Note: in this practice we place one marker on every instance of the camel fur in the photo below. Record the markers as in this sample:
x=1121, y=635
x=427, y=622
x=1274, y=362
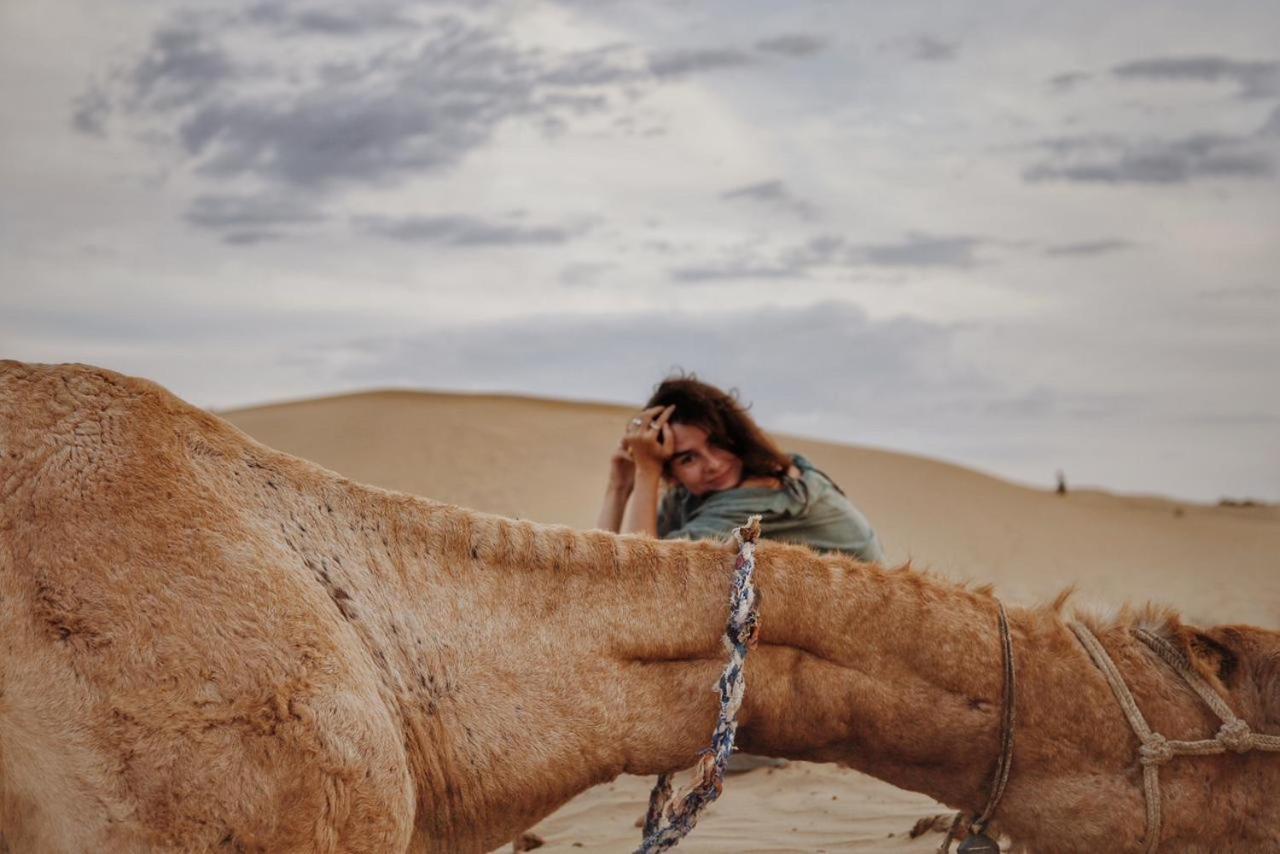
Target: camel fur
x=207, y=645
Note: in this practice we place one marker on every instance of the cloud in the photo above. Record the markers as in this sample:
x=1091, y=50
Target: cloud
x=395, y=113
x=463, y=231
x=1254, y=79
x=1272, y=126
x=607, y=65
x=901, y=364
x=253, y=236
x=750, y=261
x=914, y=250
x=414, y=97
x=1068, y=80
x=1036, y=403
x=335, y=21
x=189, y=319
x=249, y=219
x=828, y=252
x=181, y=66
x=674, y=63
x=89, y=112
x=585, y=274
x=765, y=191
x=930, y=49
x=680, y=62
x=794, y=44
x=1089, y=247
x=735, y=270
x=923, y=250
x=415, y=102
x=1258, y=292
x=238, y=211
x=319, y=140
x=1108, y=159
x=773, y=194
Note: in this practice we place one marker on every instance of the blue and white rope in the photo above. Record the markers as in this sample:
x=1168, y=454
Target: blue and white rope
x=739, y=639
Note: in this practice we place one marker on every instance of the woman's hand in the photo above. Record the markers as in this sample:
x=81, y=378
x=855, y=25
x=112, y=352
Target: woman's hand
x=649, y=440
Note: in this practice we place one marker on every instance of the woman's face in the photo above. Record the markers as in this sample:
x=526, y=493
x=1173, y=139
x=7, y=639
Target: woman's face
x=699, y=466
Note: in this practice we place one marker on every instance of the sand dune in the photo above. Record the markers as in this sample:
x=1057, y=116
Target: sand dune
x=545, y=460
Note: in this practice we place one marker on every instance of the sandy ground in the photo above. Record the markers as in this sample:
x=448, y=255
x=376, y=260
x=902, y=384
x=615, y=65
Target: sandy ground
x=546, y=460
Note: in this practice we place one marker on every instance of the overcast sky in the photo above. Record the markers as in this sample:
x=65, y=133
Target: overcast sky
x=1016, y=236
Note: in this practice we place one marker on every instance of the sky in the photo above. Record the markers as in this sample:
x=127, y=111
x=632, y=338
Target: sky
x=1021, y=237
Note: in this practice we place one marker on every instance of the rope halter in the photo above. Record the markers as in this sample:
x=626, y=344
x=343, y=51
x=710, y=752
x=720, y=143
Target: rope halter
x=681, y=814
x=978, y=841
x=1154, y=749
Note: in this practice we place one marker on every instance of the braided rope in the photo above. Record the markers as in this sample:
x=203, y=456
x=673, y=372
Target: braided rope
x=1154, y=749
x=708, y=775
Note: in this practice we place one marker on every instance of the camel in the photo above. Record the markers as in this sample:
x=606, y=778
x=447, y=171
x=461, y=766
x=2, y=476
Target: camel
x=208, y=645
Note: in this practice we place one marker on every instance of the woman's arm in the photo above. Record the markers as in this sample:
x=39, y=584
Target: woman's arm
x=642, y=509
x=650, y=443
x=622, y=476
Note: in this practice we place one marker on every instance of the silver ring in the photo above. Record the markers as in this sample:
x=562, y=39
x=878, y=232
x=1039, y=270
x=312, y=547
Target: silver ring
x=637, y=421
x=654, y=425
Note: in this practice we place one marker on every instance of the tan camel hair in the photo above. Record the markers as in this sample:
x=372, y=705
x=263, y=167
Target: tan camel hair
x=207, y=645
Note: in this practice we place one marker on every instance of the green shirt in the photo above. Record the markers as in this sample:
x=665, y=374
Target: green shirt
x=809, y=509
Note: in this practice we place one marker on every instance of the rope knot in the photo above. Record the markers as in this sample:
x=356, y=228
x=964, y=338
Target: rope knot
x=749, y=532
x=1155, y=750
x=1235, y=736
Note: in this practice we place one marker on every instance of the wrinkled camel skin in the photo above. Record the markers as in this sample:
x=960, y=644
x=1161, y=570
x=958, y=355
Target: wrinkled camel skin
x=209, y=645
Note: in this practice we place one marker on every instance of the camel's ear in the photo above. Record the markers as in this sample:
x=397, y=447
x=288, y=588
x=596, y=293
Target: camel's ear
x=1246, y=659
x=1220, y=650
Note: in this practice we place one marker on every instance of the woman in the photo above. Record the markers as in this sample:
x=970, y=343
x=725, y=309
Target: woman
x=719, y=468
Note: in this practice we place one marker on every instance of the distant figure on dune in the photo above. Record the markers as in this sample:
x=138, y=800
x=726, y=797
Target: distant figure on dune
x=1062, y=483
x=719, y=467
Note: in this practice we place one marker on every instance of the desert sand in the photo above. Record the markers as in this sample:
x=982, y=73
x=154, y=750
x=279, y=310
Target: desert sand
x=546, y=460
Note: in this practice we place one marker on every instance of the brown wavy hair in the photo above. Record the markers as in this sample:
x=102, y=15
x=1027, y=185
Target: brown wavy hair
x=726, y=421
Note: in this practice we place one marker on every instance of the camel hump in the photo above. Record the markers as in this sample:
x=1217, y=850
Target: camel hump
x=43, y=406
x=65, y=387
x=65, y=428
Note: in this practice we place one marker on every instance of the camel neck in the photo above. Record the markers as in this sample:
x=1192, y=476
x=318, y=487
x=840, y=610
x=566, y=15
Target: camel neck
x=894, y=673
x=608, y=647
